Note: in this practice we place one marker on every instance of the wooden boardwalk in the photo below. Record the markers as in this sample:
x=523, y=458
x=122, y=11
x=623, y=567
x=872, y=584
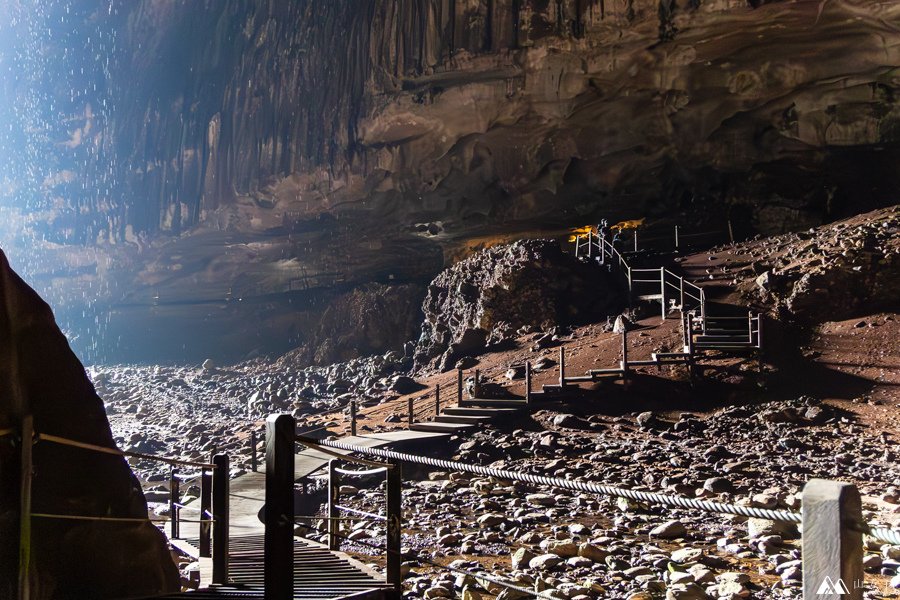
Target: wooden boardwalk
x=318, y=572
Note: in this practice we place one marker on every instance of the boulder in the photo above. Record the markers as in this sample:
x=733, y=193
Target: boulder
x=41, y=376
x=500, y=290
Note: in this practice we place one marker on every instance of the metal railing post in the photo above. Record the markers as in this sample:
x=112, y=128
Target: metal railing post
x=459, y=387
x=25, y=475
x=393, y=512
x=220, y=500
x=832, y=543
x=334, y=498
x=730, y=233
x=528, y=382
x=681, y=292
x=562, y=366
x=278, y=546
x=437, y=400
x=174, y=529
x=205, y=513
x=676, y=237
x=662, y=291
x=253, y=464
x=353, y=417
x=635, y=240
x=411, y=418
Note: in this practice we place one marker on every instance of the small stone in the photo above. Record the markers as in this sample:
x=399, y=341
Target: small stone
x=669, y=530
x=544, y=562
x=521, y=558
x=592, y=552
x=718, y=485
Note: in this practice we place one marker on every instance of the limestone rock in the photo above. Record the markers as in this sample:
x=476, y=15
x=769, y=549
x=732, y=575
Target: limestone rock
x=47, y=381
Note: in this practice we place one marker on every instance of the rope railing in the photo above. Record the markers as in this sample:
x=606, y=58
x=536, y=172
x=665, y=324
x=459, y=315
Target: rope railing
x=572, y=485
x=362, y=513
x=116, y=452
x=101, y=519
x=361, y=461
x=351, y=473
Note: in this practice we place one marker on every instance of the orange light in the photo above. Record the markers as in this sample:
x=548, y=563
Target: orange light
x=580, y=232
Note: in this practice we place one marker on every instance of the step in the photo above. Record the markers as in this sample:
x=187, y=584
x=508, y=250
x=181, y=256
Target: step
x=650, y=297
x=728, y=347
x=443, y=427
x=472, y=411
x=643, y=363
x=671, y=359
x=494, y=403
x=474, y=420
x=671, y=355
x=605, y=372
x=579, y=379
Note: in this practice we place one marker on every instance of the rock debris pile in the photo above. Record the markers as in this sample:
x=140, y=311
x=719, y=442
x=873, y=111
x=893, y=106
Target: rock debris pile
x=833, y=272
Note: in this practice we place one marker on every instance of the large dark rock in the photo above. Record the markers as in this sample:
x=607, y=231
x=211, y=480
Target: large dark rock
x=492, y=294
x=40, y=375
x=368, y=320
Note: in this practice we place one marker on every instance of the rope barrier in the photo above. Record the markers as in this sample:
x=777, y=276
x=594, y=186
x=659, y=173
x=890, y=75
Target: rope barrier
x=577, y=486
x=109, y=519
x=313, y=442
x=883, y=534
x=360, y=512
x=324, y=518
x=349, y=473
x=116, y=452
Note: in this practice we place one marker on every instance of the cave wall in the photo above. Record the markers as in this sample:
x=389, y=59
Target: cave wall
x=243, y=149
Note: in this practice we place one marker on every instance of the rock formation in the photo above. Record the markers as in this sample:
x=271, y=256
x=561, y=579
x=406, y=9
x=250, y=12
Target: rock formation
x=267, y=146
x=840, y=271
x=39, y=375
x=488, y=297
x=368, y=320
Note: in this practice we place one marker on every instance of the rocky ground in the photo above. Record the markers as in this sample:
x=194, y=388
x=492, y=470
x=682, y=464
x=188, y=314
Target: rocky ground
x=580, y=545
x=822, y=404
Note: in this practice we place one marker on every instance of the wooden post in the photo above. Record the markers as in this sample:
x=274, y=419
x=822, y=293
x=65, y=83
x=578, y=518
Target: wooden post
x=25, y=475
x=437, y=400
x=173, y=503
x=562, y=366
x=459, y=387
x=253, y=465
x=205, y=513
x=393, y=511
x=334, y=498
x=278, y=548
x=353, y=417
x=527, y=382
x=832, y=545
x=662, y=291
x=220, y=500
x=411, y=418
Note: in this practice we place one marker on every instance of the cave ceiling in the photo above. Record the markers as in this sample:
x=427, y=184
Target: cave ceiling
x=163, y=153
